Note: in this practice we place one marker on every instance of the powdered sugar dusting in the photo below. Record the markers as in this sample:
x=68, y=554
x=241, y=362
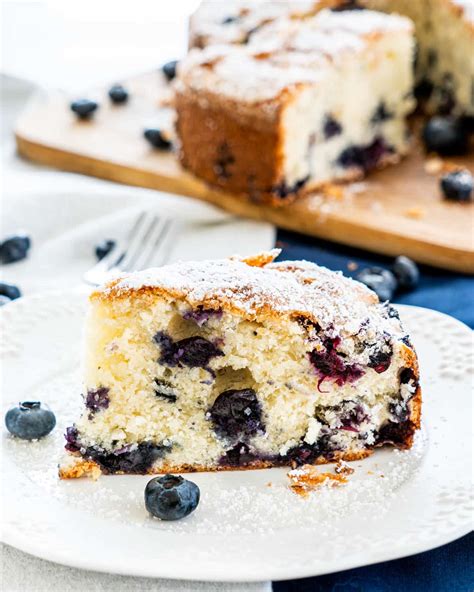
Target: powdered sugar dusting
x=288, y=288
x=284, y=51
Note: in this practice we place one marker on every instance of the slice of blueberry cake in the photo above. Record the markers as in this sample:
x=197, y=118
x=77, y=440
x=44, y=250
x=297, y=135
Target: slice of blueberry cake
x=232, y=364
x=305, y=102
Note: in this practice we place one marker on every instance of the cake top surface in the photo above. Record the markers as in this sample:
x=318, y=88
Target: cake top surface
x=257, y=287
x=233, y=20
x=285, y=52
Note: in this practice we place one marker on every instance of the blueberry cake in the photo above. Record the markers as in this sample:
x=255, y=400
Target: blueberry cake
x=305, y=102
x=444, y=30
x=233, y=364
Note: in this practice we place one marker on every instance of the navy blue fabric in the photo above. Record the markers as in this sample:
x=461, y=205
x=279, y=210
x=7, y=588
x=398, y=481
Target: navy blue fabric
x=449, y=568
x=448, y=292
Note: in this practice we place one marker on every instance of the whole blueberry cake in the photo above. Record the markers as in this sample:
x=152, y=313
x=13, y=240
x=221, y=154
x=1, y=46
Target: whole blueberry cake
x=233, y=364
x=305, y=102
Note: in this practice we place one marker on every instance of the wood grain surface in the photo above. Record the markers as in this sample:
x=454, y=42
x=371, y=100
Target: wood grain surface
x=395, y=211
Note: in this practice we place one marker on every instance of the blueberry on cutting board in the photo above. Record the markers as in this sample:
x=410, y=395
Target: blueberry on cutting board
x=171, y=497
x=157, y=138
x=458, y=186
x=84, y=108
x=118, y=94
x=30, y=420
x=446, y=136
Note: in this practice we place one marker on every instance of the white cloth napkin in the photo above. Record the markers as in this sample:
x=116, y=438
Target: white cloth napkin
x=66, y=215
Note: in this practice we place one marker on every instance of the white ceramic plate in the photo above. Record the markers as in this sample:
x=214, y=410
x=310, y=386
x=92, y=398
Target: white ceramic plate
x=248, y=526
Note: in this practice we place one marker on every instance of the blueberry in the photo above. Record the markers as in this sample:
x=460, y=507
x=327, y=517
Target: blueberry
x=97, y=399
x=194, y=352
x=4, y=300
x=169, y=69
x=128, y=459
x=171, y=497
x=230, y=19
x=457, y=186
x=104, y=248
x=164, y=390
x=381, y=114
x=30, y=420
x=331, y=127
x=157, y=138
x=381, y=281
x=365, y=157
x=445, y=135
x=406, y=271
x=84, y=108
x=14, y=248
x=10, y=291
x=118, y=94
x=236, y=413
x=330, y=364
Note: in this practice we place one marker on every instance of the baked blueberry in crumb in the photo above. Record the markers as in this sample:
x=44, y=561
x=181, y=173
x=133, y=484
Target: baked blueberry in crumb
x=201, y=315
x=239, y=455
x=331, y=127
x=329, y=364
x=446, y=136
x=131, y=458
x=223, y=162
x=10, y=291
x=365, y=157
x=30, y=420
x=406, y=271
x=458, y=186
x=382, y=281
x=169, y=69
x=84, y=108
x=194, y=352
x=381, y=114
x=381, y=360
x=72, y=439
x=352, y=417
x=97, y=399
x=157, y=138
x=282, y=190
x=104, y=248
x=118, y=94
x=171, y=497
x=236, y=414
x=230, y=19
x=14, y=248
x=164, y=390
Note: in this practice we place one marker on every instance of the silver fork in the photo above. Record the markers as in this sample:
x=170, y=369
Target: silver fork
x=149, y=236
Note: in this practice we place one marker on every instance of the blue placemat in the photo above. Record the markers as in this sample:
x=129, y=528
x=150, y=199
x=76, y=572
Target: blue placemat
x=449, y=568
x=448, y=292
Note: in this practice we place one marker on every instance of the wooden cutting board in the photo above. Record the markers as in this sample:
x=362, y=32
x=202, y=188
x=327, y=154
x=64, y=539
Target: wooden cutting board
x=395, y=211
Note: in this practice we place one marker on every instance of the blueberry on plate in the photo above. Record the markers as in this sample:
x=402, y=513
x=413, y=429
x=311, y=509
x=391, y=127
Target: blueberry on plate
x=84, y=108
x=118, y=94
x=445, y=135
x=14, y=248
x=157, y=138
x=171, y=497
x=406, y=271
x=169, y=69
x=382, y=281
x=104, y=248
x=30, y=420
x=10, y=291
x=457, y=186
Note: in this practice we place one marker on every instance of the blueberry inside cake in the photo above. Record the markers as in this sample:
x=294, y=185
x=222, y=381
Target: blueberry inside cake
x=232, y=364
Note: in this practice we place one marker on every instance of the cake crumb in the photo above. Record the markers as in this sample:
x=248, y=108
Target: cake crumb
x=416, y=213
x=342, y=468
x=269, y=484
x=307, y=478
x=352, y=266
